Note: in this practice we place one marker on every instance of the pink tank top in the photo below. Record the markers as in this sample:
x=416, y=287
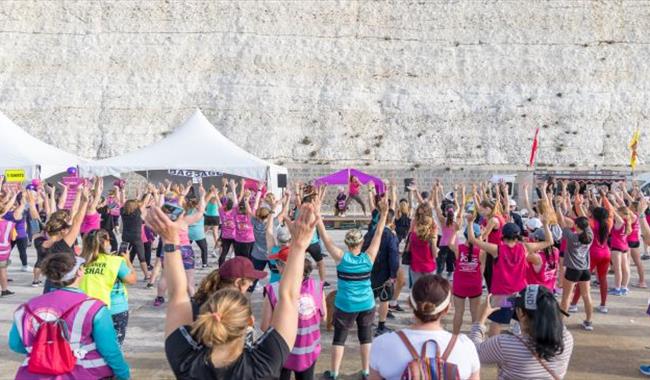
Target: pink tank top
x=468, y=281
x=243, y=229
x=618, y=239
x=90, y=223
x=547, y=275
x=598, y=249
x=509, y=270
x=227, y=223
x=447, y=233
x=354, y=188
x=496, y=235
x=421, y=259
x=633, y=237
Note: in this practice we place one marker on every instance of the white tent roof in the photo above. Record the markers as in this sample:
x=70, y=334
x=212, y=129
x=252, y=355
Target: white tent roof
x=20, y=150
x=195, y=145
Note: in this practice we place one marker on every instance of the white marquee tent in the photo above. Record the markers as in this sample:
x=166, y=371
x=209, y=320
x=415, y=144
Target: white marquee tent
x=195, y=145
x=20, y=150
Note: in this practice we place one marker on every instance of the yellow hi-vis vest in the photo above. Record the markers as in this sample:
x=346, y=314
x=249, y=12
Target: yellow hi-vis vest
x=100, y=276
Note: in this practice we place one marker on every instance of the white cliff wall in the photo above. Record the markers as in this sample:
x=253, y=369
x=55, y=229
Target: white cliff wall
x=410, y=84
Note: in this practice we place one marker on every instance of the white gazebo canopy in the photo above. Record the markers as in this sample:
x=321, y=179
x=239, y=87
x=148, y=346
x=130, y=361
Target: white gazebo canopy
x=20, y=150
x=195, y=145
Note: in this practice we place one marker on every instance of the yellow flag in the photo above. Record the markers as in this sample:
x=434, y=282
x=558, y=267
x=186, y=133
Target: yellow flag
x=634, y=144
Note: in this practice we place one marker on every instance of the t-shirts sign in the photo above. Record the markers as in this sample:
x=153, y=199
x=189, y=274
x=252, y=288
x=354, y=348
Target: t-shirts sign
x=13, y=180
x=73, y=183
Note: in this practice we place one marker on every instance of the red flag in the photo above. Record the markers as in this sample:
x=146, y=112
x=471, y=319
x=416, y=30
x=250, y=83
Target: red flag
x=533, y=149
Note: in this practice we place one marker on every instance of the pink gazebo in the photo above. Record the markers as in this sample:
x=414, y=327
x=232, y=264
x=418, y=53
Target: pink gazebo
x=342, y=177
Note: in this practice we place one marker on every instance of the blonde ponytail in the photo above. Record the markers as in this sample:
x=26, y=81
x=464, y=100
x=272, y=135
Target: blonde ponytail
x=224, y=318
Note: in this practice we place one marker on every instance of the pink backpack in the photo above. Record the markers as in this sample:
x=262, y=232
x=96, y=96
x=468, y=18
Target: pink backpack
x=423, y=367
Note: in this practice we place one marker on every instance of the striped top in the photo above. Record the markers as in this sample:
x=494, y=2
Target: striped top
x=515, y=361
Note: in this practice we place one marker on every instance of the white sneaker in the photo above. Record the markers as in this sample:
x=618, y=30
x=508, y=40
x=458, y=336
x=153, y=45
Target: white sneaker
x=573, y=308
x=602, y=309
x=214, y=254
x=26, y=268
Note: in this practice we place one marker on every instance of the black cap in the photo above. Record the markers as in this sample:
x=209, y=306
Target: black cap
x=511, y=231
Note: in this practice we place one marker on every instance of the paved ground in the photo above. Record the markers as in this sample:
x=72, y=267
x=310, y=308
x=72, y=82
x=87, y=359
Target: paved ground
x=614, y=350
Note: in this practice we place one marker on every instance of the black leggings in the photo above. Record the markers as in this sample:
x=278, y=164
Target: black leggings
x=22, y=249
x=244, y=249
x=225, y=249
x=114, y=246
x=203, y=246
x=307, y=374
x=147, y=252
x=137, y=248
x=446, y=257
x=358, y=200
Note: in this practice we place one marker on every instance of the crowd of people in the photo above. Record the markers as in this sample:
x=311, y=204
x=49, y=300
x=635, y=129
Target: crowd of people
x=523, y=271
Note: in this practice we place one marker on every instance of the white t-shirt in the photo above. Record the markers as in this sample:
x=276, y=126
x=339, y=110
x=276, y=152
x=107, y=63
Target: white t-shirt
x=389, y=356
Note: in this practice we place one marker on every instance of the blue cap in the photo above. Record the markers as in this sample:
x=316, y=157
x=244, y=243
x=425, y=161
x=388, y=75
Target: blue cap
x=477, y=229
x=511, y=231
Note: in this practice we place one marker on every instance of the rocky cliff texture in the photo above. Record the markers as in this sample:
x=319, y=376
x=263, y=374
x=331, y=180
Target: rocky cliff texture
x=384, y=83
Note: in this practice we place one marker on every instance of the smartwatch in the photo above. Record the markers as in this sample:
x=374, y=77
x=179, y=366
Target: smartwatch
x=171, y=248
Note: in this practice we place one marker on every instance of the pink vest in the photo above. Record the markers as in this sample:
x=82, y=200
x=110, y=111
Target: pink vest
x=90, y=364
x=310, y=310
x=6, y=227
x=243, y=229
x=547, y=275
x=421, y=259
x=618, y=239
x=468, y=281
x=227, y=223
x=633, y=237
x=496, y=235
x=509, y=270
x=598, y=250
x=90, y=223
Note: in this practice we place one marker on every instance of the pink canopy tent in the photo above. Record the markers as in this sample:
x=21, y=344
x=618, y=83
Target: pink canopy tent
x=342, y=177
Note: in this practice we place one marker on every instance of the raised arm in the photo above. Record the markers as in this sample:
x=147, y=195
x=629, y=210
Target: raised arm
x=63, y=197
x=179, y=309
x=489, y=248
x=78, y=217
x=285, y=315
x=194, y=218
x=242, y=189
x=334, y=251
x=373, y=249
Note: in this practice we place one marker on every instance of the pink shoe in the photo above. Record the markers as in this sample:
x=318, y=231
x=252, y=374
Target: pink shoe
x=158, y=301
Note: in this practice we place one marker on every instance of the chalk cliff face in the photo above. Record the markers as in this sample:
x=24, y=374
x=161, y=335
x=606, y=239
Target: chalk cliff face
x=385, y=83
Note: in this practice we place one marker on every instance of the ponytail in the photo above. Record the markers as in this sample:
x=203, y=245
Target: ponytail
x=210, y=285
x=449, y=214
x=546, y=326
x=93, y=242
x=222, y=319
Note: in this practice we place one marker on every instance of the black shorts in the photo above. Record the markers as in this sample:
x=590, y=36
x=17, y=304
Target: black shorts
x=634, y=244
x=576, y=275
x=344, y=321
x=315, y=252
x=211, y=221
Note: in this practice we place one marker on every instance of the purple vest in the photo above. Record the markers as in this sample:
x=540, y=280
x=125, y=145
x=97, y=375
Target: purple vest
x=6, y=227
x=306, y=350
x=90, y=364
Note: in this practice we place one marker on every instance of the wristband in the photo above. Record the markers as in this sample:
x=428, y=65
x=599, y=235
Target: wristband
x=168, y=248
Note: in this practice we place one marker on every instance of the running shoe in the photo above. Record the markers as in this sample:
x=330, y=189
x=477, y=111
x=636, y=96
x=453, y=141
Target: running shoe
x=7, y=293
x=390, y=315
x=383, y=331
x=35, y=284
x=625, y=291
x=595, y=283
x=326, y=284
x=214, y=254
x=602, y=309
x=329, y=375
x=204, y=266
x=149, y=285
x=396, y=307
x=645, y=369
x=26, y=268
x=587, y=325
x=158, y=301
x=149, y=268
x=615, y=292
x=364, y=376
x=645, y=257
x=573, y=308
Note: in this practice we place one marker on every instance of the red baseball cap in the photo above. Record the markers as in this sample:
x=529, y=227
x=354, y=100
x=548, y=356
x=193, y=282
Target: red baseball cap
x=240, y=267
x=282, y=255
